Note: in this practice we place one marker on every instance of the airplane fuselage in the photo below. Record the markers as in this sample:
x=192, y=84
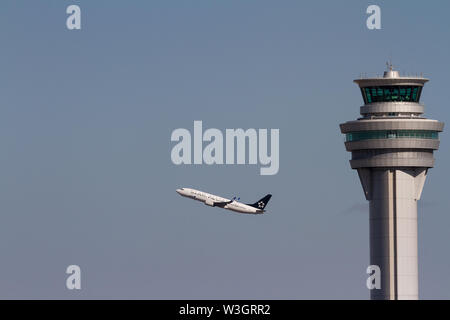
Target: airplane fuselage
x=216, y=201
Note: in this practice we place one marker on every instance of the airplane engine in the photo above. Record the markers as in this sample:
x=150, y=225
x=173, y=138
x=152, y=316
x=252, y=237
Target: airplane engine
x=209, y=202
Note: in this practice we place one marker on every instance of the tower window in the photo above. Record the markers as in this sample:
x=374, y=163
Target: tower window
x=391, y=134
x=391, y=93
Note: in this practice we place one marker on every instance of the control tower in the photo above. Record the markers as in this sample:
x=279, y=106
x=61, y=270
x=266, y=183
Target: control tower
x=392, y=147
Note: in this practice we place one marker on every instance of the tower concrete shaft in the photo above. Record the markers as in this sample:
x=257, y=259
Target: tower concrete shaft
x=392, y=149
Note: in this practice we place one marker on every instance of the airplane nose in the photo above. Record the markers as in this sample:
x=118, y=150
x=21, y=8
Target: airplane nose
x=179, y=191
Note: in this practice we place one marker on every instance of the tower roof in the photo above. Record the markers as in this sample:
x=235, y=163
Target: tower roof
x=390, y=77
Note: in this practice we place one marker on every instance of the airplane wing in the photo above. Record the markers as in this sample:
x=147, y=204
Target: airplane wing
x=222, y=204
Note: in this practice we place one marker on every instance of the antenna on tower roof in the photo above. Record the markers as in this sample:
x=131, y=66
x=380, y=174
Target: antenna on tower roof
x=389, y=65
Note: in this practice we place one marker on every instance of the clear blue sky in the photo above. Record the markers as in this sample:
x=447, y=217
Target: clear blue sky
x=85, y=123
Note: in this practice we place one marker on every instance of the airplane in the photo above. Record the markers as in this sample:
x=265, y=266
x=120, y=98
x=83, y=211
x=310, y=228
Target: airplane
x=233, y=204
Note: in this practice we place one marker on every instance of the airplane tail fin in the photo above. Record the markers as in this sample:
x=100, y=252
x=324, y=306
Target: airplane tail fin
x=261, y=204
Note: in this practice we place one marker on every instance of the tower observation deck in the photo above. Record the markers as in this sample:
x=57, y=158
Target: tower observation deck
x=392, y=147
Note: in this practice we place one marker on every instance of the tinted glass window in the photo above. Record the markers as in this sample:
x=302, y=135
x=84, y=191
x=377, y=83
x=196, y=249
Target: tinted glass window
x=391, y=134
x=391, y=93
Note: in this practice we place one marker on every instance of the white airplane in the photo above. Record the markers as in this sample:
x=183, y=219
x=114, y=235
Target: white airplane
x=233, y=204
